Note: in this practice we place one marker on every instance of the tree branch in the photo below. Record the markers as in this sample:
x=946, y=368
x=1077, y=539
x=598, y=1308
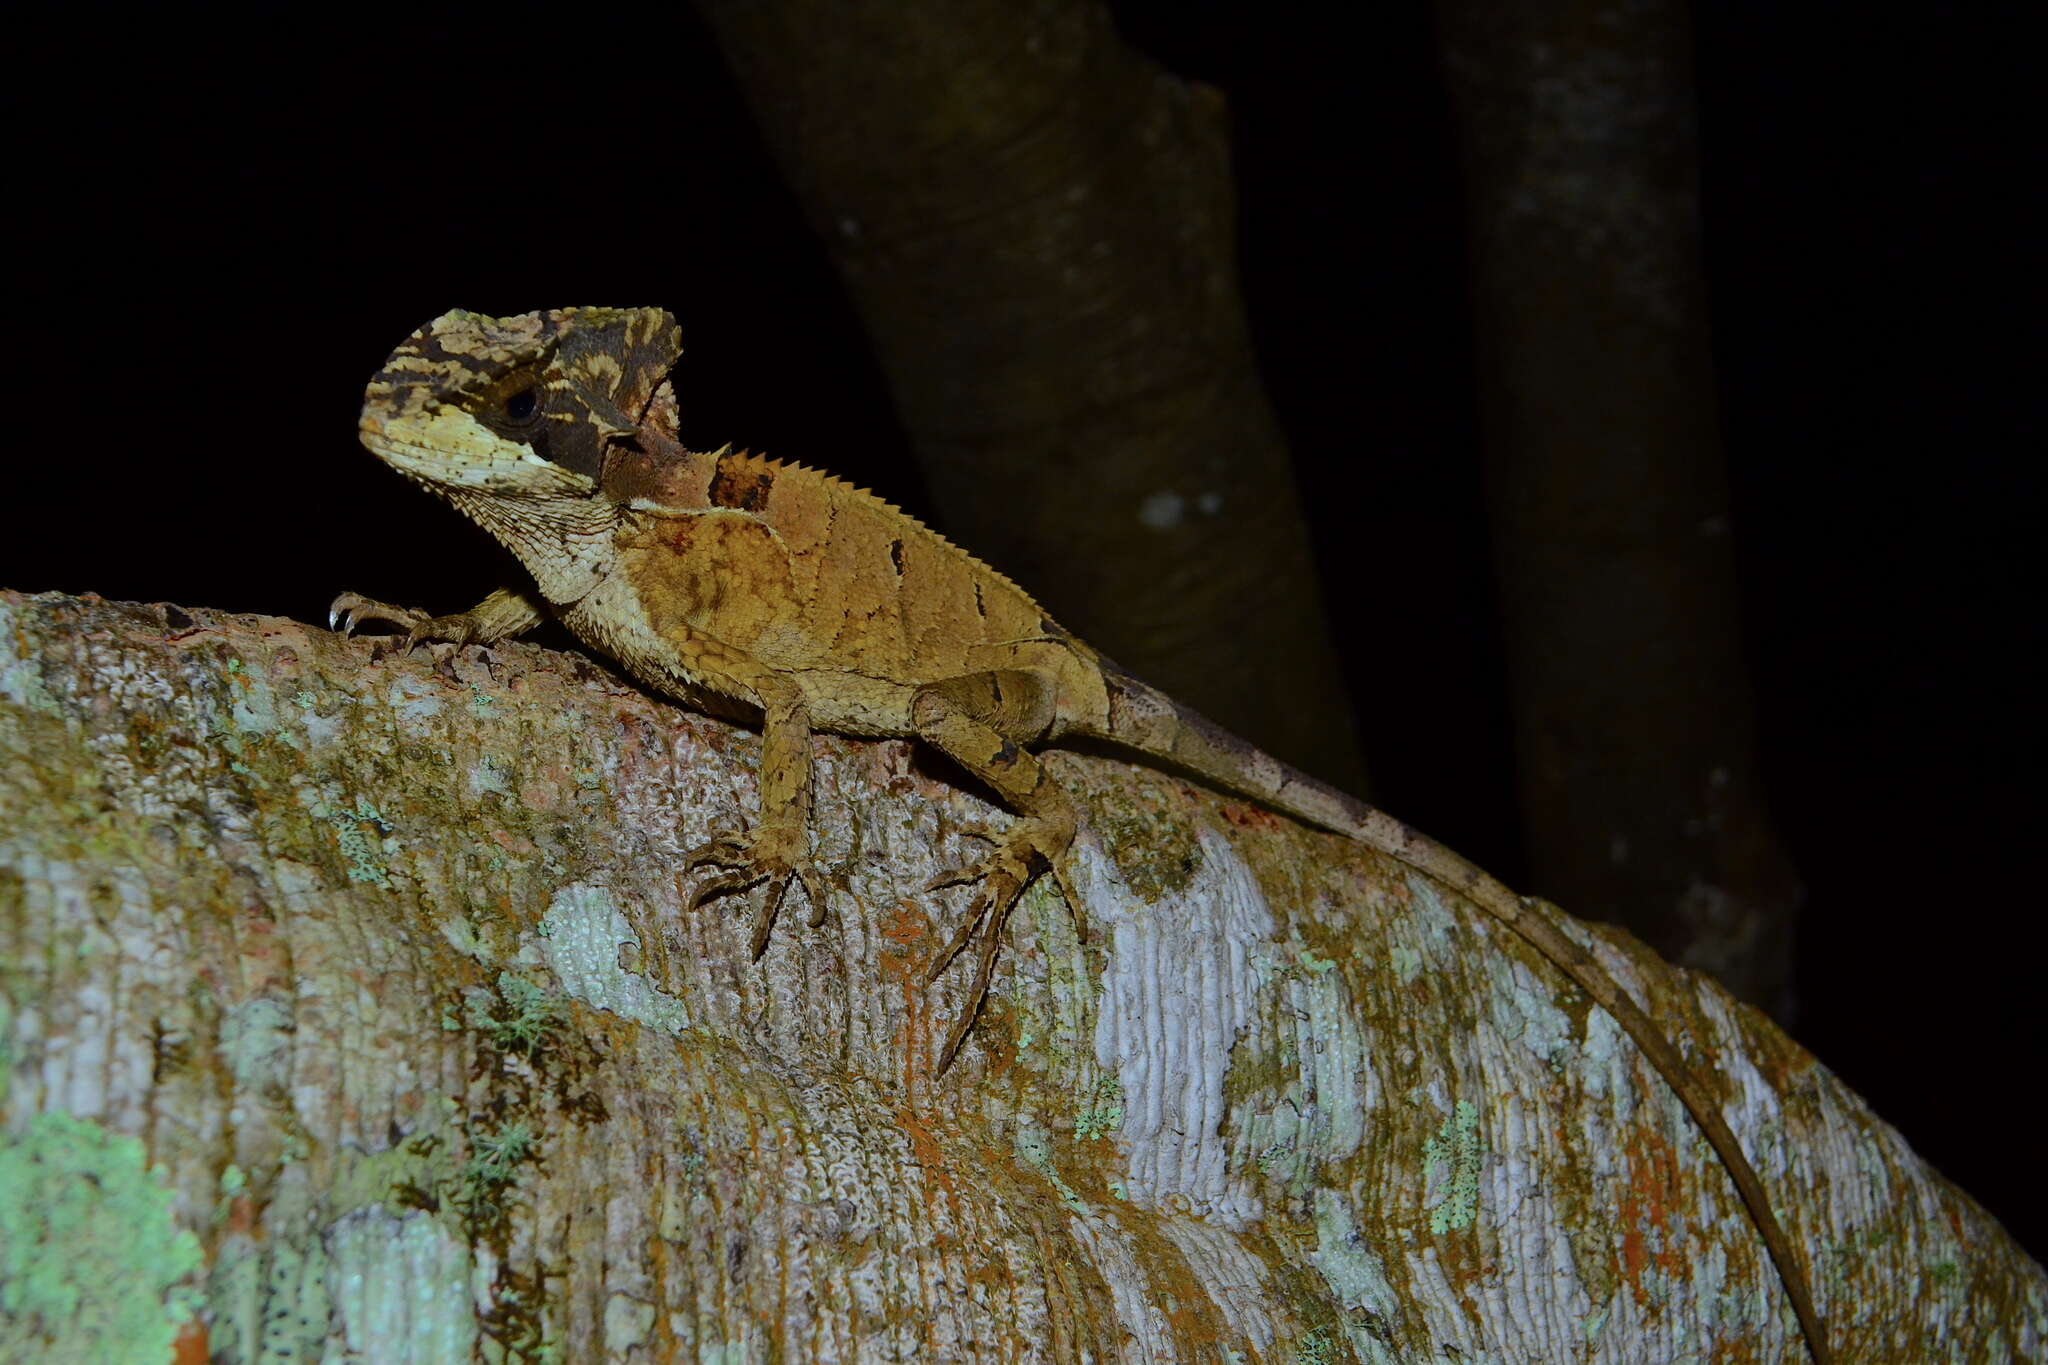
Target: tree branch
x=385, y=965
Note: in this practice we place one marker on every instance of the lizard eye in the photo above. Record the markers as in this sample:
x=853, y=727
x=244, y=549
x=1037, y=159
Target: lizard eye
x=522, y=405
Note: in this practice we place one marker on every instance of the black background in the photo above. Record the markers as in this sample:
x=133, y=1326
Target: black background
x=223, y=230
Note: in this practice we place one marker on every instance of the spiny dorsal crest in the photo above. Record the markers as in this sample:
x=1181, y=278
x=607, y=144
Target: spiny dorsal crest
x=561, y=382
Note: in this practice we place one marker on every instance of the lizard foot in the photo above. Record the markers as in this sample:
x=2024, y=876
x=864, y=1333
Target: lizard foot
x=770, y=853
x=1003, y=875
x=352, y=609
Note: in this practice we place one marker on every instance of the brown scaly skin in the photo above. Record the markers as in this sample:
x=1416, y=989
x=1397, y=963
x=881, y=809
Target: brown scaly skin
x=732, y=582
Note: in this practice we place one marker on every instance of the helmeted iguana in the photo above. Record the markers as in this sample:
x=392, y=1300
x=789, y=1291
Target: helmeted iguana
x=737, y=583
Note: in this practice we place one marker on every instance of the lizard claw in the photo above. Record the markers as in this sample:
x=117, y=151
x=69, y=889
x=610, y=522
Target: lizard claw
x=725, y=883
x=814, y=887
x=771, y=906
x=728, y=850
x=956, y=876
x=353, y=609
x=769, y=854
x=975, y=871
x=1003, y=875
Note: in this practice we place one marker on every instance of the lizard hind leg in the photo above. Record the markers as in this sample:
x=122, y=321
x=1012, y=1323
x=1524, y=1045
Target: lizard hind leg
x=982, y=721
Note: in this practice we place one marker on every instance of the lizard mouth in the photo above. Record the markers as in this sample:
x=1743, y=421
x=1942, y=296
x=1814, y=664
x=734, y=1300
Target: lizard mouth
x=410, y=457
x=450, y=450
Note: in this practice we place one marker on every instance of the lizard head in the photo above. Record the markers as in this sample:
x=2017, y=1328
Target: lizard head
x=522, y=406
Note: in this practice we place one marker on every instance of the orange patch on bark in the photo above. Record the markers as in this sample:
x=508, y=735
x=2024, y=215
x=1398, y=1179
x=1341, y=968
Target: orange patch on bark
x=1646, y=1206
x=242, y=1214
x=906, y=925
x=926, y=1147
x=191, y=1347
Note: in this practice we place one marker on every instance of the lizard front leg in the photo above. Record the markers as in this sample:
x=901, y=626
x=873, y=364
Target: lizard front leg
x=504, y=613
x=777, y=848
x=982, y=721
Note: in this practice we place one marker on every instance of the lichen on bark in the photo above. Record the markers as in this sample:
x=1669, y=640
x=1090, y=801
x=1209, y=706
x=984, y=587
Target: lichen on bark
x=384, y=962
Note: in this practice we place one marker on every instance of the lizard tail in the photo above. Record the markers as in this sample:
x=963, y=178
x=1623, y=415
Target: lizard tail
x=1146, y=719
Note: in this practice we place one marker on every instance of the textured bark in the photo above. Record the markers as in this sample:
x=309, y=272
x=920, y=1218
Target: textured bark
x=1606, y=483
x=385, y=967
x=1037, y=226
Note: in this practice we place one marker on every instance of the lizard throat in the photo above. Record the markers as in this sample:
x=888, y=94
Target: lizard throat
x=564, y=542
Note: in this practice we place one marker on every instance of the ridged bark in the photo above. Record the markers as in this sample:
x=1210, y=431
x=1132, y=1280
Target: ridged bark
x=384, y=966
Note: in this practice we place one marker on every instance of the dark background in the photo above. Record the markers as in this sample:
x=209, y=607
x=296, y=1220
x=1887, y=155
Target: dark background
x=222, y=231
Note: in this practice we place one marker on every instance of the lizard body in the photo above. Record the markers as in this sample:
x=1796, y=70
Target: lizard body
x=743, y=585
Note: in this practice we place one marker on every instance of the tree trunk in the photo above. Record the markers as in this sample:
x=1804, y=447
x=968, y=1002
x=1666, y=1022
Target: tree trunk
x=351, y=1011
x=1607, y=489
x=1038, y=228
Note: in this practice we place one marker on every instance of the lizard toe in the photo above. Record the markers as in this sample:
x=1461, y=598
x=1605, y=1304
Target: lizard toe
x=725, y=884
x=725, y=850
x=814, y=887
x=771, y=906
x=761, y=855
x=351, y=610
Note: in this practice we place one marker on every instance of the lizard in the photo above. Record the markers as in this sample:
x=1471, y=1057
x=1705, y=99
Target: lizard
x=771, y=591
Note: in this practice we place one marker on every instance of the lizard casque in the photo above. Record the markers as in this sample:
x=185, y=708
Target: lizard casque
x=748, y=587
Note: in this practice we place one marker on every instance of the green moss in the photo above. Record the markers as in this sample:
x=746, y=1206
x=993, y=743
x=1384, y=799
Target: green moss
x=1259, y=1072
x=1048, y=1016
x=10, y=890
x=407, y=1176
x=1319, y=1347
x=1454, y=1151
x=1033, y=1146
x=232, y=1182
x=1104, y=1113
x=494, y=1162
x=90, y=1260
x=21, y=675
x=359, y=846
x=520, y=1019
x=1151, y=836
x=363, y=863
x=269, y=1302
